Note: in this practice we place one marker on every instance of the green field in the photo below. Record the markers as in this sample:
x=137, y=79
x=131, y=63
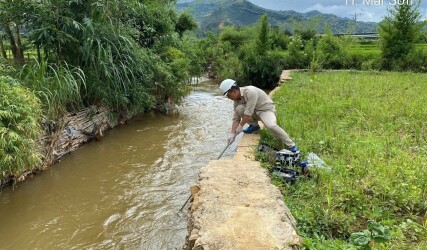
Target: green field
x=373, y=48
x=371, y=129
x=367, y=49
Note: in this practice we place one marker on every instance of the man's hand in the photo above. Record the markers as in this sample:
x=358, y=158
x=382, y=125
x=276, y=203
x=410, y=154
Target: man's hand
x=239, y=129
x=231, y=138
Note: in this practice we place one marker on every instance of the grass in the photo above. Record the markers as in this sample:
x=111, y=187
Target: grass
x=366, y=49
x=371, y=129
x=57, y=85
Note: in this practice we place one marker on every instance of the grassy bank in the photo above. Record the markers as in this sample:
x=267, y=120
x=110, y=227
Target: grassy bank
x=371, y=129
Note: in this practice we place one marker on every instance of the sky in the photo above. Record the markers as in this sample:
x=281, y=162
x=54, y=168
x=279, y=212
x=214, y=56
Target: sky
x=364, y=10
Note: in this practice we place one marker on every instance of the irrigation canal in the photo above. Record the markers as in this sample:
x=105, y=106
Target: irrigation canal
x=125, y=191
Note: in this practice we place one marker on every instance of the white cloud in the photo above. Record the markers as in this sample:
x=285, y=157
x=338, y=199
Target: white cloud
x=362, y=13
x=329, y=9
x=423, y=13
x=342, y=8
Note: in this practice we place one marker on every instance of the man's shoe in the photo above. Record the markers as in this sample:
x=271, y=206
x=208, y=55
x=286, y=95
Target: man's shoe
x=251, y=129
x=294, y=149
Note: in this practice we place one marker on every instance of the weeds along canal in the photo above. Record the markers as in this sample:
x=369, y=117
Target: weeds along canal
x=125, y=191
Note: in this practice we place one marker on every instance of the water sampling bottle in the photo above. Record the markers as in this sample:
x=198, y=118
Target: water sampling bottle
x=304, y=169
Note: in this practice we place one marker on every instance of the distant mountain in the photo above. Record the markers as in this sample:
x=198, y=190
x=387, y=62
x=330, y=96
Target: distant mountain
x=213, y=14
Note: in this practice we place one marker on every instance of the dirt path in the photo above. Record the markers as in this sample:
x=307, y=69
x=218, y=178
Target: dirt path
x=235, y=205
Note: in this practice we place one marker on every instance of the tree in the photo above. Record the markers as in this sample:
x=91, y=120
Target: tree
x=399, y=33
x=236, y=37
x=185, y=22
x=12, y=17
x=210, y=54
x=56, y=27
x=118, y=47
x=2, y=50
x=306, y=34
x=263, y=40
x=262, y=66
x=279, y=38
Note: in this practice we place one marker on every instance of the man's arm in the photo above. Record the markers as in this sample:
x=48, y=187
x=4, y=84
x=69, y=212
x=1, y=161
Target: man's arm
x=234, y=125
x=244, y=120
x=237, y=125
x=252, y=99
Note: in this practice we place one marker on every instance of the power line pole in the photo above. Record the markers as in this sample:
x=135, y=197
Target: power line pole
x=354, y=17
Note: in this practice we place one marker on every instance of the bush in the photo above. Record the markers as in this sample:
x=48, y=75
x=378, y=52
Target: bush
x=298, y=57
x=371, y=64
x=262, y=70
x=231, y=67
x=416, y=61
x=20, y=112
x=330, y=52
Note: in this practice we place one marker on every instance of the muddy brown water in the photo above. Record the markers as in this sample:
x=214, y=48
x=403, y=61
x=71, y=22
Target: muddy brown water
x=123, y=192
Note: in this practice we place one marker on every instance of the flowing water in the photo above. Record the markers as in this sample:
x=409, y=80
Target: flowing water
x=126, y=191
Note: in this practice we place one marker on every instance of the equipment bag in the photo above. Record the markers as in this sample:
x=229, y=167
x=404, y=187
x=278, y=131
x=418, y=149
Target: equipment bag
x=286, y=162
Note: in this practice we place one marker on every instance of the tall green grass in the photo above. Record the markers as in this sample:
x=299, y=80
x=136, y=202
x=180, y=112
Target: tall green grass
x=371, y=129
x=58, y=85
x=119, y=71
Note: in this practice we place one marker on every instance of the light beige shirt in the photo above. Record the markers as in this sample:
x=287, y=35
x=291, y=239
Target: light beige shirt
x=255, y=101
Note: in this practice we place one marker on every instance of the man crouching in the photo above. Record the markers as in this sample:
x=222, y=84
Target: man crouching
x=252, y=104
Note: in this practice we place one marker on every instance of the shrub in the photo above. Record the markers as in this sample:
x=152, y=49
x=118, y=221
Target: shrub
x=231, y=67
x=330, y=52
x=416, y=61
x=297, y=56
x=20, y=113
x=371, y=64
x=262, y=70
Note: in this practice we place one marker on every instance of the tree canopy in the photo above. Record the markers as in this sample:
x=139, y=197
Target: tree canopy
x=399, y=33
x=118, y=46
